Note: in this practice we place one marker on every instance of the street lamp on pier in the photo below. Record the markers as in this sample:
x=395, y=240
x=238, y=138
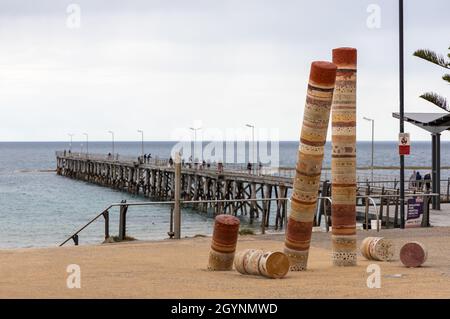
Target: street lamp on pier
x=195, y=139
x=253, y=141
x=87, y=144
x=71, y=140
x=373, y=135
x=142, y=142
x=112, y=135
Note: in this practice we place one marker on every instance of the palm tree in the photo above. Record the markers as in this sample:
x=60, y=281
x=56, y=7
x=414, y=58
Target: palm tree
x=444, y=62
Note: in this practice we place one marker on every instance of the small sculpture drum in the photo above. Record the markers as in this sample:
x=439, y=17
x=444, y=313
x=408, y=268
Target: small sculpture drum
x=224, y=241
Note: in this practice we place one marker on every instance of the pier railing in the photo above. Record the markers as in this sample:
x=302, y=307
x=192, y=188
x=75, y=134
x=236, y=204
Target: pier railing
x=364, y=178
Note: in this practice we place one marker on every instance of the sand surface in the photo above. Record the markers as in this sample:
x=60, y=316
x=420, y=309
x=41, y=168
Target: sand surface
x=177, y=269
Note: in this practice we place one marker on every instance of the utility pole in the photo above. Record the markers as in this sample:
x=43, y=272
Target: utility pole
x=177, y=206
x=402, y=113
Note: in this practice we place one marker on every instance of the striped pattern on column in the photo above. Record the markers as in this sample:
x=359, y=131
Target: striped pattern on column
x=343, y=162
x=309, y=163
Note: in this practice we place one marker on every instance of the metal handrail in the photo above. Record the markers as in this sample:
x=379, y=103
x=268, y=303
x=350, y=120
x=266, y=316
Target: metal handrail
x=376, y=214
x=74, y=236
x=327, y=225
x=371, y=198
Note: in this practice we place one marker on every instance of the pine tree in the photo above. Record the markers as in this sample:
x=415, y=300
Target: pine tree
x=444, y=62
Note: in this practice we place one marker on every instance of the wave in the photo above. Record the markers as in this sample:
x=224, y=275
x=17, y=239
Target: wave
x=26, y=170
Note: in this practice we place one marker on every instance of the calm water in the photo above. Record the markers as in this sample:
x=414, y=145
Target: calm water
x=39, y=208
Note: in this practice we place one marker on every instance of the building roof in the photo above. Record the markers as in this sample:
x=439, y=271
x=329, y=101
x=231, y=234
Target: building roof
x=431, y=122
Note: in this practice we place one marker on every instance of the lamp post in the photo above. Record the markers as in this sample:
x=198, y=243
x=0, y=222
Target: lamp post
x=142, y=142
x=402, y=112
x=71, y=140
x=253, y=141
x=373, y=135
x=112, y=135
x=87, y=144
x=195, y=139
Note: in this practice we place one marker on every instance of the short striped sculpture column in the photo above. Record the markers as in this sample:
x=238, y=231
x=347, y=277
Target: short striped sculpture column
x=224, y=241
x=309, y=163
x=343, y=162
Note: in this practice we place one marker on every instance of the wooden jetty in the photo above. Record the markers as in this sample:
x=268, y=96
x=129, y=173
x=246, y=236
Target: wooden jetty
x=154, y=179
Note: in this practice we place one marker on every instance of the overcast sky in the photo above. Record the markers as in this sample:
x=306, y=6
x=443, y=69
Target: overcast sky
x=161, y=65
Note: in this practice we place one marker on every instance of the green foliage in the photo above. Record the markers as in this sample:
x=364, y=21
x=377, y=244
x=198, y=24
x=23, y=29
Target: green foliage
x=442, y=61
x=446, y=77
x=437, y=100
x=432, y=57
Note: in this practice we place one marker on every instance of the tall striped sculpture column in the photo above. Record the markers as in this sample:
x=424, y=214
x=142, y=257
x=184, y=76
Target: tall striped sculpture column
x=309, y=163
x=343, y=161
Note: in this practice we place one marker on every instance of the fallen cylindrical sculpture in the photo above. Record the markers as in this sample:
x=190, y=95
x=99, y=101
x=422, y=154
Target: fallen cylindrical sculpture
x=224, y=241
x=343, y=162
x=413, y=254
x=309, y=163
x=377, y=248
x=273, y=265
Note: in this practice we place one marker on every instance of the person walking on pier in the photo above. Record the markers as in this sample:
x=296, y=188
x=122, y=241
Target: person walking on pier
x=427, y=181
x=249, y=167
x=418, y=181
x=145, y=158
x=412, y=181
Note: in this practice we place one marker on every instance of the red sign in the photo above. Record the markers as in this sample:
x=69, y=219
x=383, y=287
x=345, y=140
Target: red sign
x=404, y=144
x=404, y=150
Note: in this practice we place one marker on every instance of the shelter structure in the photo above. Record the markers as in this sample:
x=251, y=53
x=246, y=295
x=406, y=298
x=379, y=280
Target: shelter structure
x=435, y=124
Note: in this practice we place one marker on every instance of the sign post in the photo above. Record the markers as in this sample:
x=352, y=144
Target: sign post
x=404, y=144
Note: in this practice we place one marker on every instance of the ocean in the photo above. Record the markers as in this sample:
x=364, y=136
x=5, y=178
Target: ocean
x=40, y=209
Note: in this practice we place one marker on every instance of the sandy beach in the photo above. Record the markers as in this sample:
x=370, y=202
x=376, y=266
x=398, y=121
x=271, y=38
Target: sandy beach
x=177, y=269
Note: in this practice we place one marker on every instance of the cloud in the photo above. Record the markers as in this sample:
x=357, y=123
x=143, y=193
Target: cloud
x=160, y=65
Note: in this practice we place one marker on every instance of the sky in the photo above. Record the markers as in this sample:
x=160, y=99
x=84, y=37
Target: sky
x=164, y=66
